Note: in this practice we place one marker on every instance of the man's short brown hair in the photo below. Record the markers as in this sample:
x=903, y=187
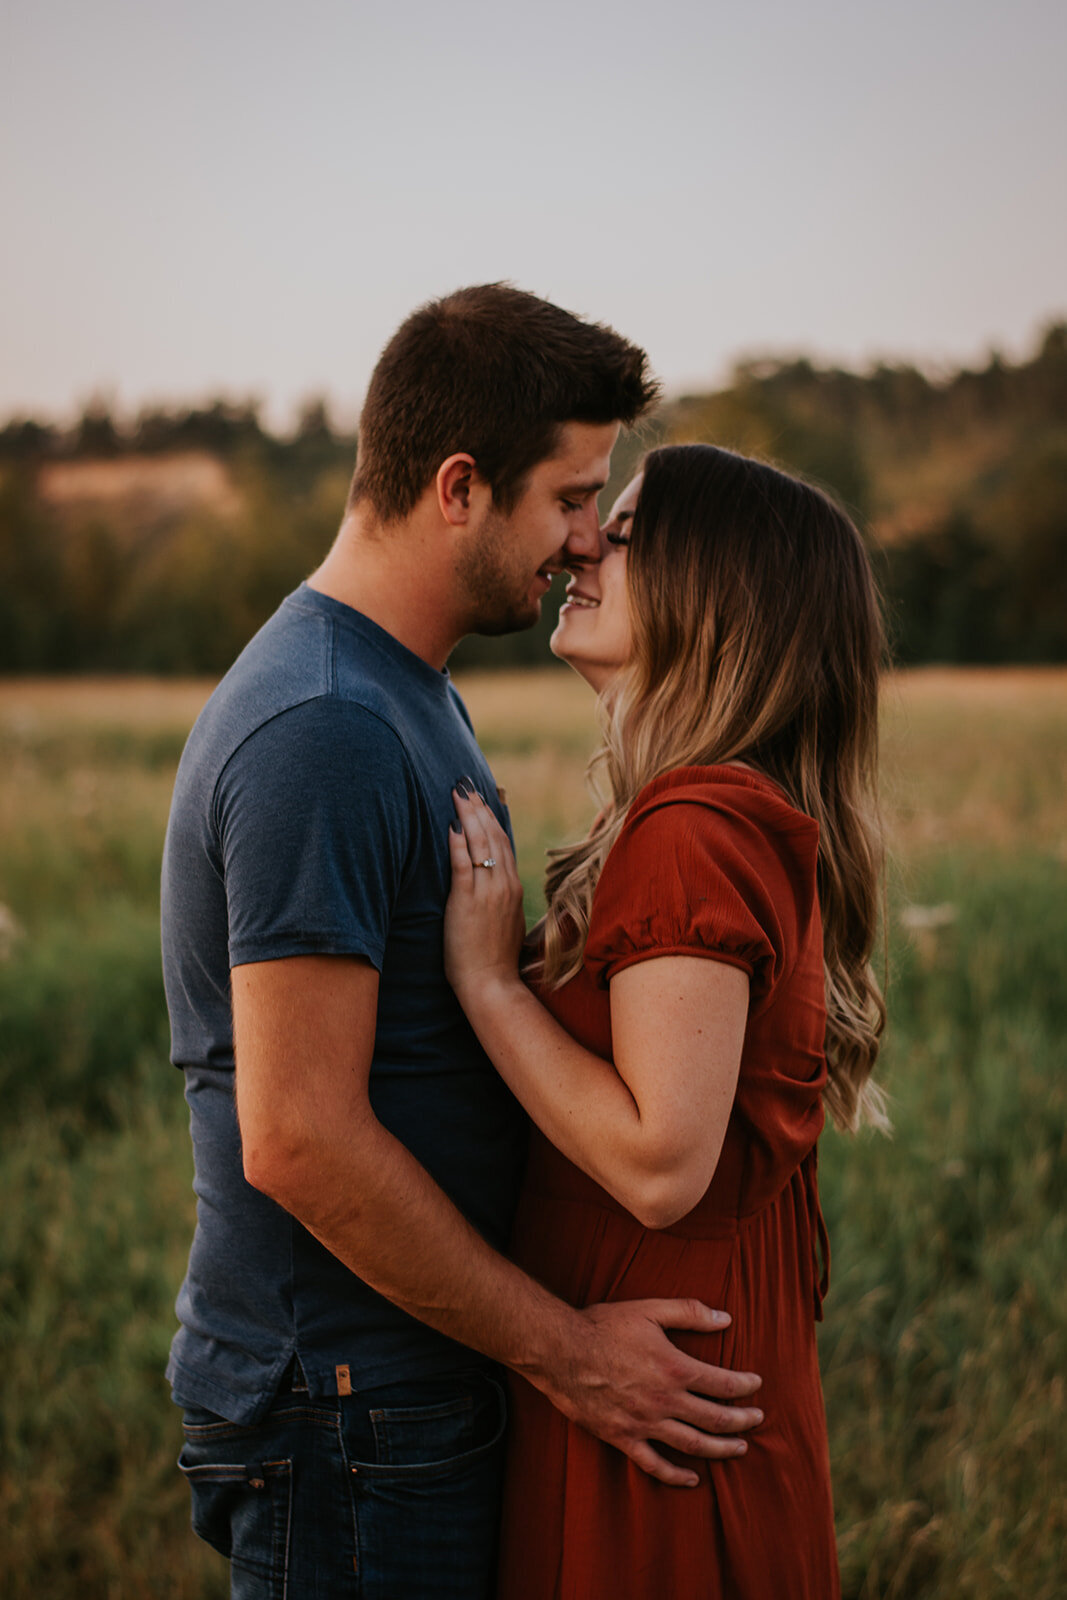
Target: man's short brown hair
x=494, y=372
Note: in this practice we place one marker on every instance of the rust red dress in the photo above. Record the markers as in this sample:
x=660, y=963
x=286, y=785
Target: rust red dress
x=712, y=861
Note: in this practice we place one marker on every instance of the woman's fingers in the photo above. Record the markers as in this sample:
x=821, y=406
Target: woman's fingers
x=472, y=814
x=462, y=870
x=486, y=839
x=484, y=927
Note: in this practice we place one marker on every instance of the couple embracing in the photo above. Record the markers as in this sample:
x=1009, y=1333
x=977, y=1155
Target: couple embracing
x=509, y=1253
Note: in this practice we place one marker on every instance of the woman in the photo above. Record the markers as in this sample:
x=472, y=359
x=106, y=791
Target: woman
x=702, y=990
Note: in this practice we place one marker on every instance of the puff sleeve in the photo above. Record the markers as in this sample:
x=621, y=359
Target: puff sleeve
x=724, y=870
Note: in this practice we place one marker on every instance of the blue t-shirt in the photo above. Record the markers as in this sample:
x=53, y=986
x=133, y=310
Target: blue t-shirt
x=310, y=816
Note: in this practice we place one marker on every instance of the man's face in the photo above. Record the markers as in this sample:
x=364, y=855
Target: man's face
x=507, y=563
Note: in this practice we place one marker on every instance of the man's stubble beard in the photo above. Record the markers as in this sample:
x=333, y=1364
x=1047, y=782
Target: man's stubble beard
x=496, y=602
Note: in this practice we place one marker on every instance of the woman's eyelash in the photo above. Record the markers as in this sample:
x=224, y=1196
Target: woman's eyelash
x=621, y=539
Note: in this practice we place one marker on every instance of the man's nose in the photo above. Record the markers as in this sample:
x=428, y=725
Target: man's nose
x=583, y=542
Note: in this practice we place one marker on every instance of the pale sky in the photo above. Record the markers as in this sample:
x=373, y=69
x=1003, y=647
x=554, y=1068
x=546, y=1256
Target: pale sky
x=221, y=196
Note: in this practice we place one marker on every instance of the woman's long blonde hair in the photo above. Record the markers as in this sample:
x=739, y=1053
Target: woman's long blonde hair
x=757, y=638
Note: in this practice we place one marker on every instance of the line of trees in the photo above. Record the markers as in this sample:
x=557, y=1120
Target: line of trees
x=961, y=481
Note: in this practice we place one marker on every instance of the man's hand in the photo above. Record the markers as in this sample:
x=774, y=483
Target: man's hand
x=305, y=1035
x=630, y=1385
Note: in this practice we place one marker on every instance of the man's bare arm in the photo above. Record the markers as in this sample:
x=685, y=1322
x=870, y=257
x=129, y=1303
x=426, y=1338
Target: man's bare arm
x=304, y=1032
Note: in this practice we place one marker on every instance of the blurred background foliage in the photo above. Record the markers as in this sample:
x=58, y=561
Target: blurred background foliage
x=161, y=544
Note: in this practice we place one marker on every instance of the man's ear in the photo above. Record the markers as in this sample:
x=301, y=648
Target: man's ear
x=453, y=485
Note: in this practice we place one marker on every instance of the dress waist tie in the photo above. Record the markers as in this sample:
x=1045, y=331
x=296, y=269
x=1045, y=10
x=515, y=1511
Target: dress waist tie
x=820, y=1239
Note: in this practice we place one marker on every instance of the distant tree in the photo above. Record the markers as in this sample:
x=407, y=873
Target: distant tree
x=154, y=431
x=315, y=449
x=96, y=433
x=1043, y=381
x=314, y=420
x=1029, y=516
x=226, y=428
x=966, y=472
x=776, y=413
x=31, y=587
x=27, y=441
x=943, y=594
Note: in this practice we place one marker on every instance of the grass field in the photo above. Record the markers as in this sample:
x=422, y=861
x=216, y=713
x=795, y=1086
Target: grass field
x=944, y=1341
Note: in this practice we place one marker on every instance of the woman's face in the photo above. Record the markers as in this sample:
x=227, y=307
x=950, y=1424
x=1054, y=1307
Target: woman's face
x=593, y=633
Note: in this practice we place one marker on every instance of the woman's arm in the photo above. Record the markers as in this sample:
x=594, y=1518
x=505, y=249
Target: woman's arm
x=648, y=1127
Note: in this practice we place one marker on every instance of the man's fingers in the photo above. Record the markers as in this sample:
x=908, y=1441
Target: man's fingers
x=656, y=1466
x=721, y=1383
x=694, y=1442
x=692, y=1316
x=705, y=1417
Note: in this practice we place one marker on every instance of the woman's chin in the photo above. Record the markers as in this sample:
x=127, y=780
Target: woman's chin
x=557, y=643
x=596, y=677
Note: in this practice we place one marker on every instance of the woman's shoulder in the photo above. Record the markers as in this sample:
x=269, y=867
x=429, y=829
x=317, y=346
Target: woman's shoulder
x=710, y=860
x=723, y=798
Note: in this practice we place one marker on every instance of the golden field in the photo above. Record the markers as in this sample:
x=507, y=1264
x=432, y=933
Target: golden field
x=945, y=1336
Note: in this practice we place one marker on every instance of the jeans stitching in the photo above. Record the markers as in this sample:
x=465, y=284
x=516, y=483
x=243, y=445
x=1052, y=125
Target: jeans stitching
x=372, y=1470
x=353, y=1499
x=285, y=1533
x=205, y=1431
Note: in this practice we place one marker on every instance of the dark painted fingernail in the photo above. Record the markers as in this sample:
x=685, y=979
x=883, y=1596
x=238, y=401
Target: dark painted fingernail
x=454, y=827
x=464, y=788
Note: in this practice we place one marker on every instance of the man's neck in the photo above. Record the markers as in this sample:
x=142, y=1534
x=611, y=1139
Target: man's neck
x=400, y=577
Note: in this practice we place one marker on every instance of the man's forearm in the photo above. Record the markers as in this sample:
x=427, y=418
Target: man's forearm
x=304, y=1033
x=371, y=1203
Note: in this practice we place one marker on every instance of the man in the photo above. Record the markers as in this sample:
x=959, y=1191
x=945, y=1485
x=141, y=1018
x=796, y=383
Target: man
x=346, y=1302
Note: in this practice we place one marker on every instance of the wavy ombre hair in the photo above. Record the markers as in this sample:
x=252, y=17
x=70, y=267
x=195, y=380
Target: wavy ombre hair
x=757, y=638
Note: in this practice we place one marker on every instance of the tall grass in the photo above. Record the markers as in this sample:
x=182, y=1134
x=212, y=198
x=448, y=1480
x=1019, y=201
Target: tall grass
x=944, y=1340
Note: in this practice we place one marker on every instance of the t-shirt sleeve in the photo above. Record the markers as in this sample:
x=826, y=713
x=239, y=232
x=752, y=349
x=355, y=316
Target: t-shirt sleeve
x=690, y=879
x=315, y=815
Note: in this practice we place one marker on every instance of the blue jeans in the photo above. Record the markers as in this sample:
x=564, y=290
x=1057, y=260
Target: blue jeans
x=388, y=1494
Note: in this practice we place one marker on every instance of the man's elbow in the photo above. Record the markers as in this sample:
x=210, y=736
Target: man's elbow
x=283, y=1147
x=306, y=1163
x=275, y=1161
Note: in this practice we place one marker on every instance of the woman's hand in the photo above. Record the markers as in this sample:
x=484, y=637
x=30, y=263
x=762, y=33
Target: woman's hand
x=484, y=923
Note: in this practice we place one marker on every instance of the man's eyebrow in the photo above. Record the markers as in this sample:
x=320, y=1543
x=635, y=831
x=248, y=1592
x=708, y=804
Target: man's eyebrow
x=586, y=486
